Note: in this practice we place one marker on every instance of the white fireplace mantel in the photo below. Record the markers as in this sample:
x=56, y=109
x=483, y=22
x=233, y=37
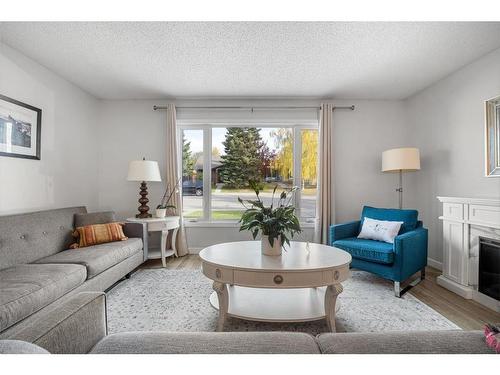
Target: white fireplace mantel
x=464, y=221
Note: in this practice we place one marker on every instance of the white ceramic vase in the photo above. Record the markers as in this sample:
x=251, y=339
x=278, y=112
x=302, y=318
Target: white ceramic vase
x=161, y=212
x=267, y=249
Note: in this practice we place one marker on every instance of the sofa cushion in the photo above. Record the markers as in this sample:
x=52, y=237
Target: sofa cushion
x=97, y=258
x=428, y=342
x=374, y=251
x=82, y=220
x=24, y=238
x=408, y=217
x=97, y=234
x=27, y=288
x=207, y=343
x=380, y=230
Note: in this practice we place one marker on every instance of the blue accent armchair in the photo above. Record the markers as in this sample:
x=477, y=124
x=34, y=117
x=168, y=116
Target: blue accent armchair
x=396, y=262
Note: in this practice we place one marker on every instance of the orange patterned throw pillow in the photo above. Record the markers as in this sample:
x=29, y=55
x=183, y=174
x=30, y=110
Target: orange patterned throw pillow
x=97, y=234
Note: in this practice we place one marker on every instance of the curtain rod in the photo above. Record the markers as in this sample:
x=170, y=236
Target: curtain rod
x=159, y=107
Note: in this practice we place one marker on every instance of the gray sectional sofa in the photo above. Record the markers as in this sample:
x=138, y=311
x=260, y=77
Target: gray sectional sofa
x=80, y=327
x=37, y=272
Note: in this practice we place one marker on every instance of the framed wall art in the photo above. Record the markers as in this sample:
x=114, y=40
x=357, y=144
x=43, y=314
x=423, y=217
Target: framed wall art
x=20, y=129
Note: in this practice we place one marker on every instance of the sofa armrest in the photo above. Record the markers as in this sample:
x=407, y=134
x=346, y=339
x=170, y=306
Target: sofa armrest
x=20, y=347
x=138, y=230
x=344, y=230
x=410, y=250
x=73, y=327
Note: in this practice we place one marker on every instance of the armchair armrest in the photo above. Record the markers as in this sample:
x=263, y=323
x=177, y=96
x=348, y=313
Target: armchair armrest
x=138, y=230
x=410, y=250
x=344, y=230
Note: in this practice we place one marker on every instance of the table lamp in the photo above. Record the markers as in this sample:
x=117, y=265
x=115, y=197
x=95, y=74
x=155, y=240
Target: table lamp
x=401, y=160
x=143, y=171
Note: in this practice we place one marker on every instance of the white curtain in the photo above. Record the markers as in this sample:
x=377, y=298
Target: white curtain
x=172, y=176
x=325, y=206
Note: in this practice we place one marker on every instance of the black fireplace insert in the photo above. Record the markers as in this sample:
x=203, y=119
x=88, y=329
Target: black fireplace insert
x=489, y=267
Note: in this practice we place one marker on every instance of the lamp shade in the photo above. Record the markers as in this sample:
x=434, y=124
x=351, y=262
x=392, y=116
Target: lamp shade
x=401, y=159
x=143, y=170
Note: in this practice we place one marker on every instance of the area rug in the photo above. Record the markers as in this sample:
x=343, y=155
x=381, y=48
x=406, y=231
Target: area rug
x=178, y=300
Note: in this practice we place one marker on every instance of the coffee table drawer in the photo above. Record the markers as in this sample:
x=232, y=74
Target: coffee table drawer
x=278, y=279
x=215, y=273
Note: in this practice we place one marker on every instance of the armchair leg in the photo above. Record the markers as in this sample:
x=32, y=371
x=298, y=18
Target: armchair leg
x=397, y=289
x=398, y=292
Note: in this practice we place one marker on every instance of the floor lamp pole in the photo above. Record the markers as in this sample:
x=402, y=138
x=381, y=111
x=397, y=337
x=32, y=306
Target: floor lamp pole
x=400, y=189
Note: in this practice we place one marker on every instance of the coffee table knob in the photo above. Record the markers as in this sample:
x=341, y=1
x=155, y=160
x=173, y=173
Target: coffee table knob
x=278, y=279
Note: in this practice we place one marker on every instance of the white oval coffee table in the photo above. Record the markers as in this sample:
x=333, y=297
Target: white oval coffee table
x=300, y=285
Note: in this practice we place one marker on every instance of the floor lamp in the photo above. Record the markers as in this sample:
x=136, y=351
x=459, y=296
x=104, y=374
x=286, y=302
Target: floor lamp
x=401, y=160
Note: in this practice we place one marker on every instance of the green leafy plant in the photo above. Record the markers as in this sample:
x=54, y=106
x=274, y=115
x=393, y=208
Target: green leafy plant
x=276, y=221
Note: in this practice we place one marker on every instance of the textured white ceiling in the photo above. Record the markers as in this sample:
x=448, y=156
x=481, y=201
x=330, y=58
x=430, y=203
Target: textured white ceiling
x=374, y=60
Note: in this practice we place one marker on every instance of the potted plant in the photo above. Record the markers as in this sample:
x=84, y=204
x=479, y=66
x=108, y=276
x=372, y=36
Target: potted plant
x=161, y=209
x=277, y=223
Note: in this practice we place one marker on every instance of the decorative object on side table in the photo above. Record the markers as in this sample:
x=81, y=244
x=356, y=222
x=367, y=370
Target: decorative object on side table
x=20, y=129
x=143, y=171
x=401, y=160
x=161, y=209
x=278, y=224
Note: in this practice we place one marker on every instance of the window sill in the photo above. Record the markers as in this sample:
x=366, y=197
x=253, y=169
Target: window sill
x=226, y=224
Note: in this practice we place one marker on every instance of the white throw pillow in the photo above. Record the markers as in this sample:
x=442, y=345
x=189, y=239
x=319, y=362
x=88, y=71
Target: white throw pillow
x=380, y=230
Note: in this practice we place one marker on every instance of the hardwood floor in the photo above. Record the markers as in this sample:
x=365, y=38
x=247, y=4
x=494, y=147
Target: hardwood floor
x=190, y=262
x=467, y=314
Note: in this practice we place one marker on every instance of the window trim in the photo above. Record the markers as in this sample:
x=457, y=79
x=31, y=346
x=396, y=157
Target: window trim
x=206, y=219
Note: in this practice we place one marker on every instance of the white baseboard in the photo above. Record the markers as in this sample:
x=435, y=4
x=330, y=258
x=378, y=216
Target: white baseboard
x=194, y=250
x=461, y=290
x=435, y=264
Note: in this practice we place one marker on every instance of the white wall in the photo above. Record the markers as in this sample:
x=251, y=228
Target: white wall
x=131, y=129
x=66, y=175
x=447, y=124
x=360, y=138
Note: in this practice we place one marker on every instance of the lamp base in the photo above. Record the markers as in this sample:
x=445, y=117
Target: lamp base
x=143, y=200
x=143, y=216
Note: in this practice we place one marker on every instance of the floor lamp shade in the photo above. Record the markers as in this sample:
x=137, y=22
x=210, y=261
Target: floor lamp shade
x=143, y=170
x=401, y=160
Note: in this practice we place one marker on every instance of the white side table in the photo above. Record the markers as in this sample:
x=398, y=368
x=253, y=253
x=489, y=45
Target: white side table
x=163, y=225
